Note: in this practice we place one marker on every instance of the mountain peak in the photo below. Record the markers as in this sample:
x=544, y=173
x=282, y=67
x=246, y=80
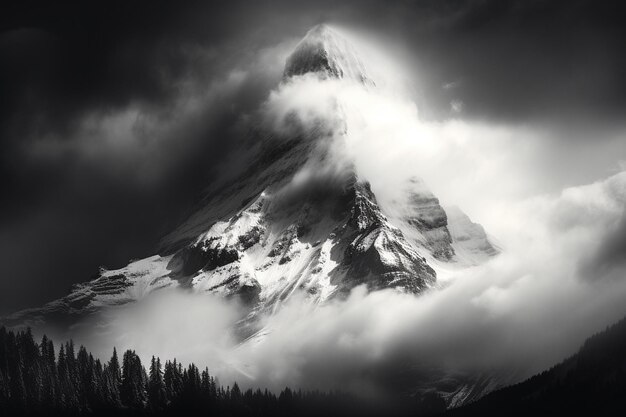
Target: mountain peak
x=320, y=30
x=325, y=52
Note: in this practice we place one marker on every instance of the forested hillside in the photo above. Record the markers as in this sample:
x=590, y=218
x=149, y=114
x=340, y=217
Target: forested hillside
x=35, y=380
x=592, y=382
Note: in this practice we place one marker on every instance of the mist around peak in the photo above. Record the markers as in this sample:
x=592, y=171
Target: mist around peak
x=298, y=134
x=510, y=316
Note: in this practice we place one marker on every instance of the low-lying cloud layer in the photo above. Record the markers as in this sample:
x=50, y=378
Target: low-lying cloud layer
x=560, y=278
x=520, y=313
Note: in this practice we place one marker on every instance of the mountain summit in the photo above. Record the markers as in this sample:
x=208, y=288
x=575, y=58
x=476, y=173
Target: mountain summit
x=324, y=52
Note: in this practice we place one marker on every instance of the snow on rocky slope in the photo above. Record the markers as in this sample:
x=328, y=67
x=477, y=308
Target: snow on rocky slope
x=112, y=287
x=470, y=241
x=324, y=52
x=269, y=234
x=294, y=221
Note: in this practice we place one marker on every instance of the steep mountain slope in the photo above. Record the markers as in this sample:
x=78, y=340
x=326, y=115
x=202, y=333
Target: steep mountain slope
x=424, y=220
x=470, y=241
x=323, y=52
x=295, y=220
x=592, y=382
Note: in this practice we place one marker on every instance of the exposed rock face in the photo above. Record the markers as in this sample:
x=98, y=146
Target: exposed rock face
x=115, y=287
x=324, y=245
x=470, y=239
x=427, y=215
x=378, y=253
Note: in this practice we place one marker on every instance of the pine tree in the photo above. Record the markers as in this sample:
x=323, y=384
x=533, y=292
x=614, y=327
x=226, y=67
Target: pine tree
x=133, y=392
x=205, y=383
x=110, y=393
x=114, y=368
x=68, y=399
x=112, y=382
x=235, y=392
x=168, y=380
x=29, y=353
x=49, y=374
x=83, y=379
x=156, y=387
x=4, y=395
x=17, y=387
x=173, y=378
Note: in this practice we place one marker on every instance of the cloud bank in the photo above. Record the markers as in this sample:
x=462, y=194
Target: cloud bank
x=522, y=312
x=560, y=278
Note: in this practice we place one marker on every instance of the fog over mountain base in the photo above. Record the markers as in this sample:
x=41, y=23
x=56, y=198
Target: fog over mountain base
x=523, y=311
x=559, y=277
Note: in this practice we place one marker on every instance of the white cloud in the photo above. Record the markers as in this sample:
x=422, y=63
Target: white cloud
x=519, y=313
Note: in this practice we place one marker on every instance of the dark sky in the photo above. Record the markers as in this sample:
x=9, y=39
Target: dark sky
x=114, y=116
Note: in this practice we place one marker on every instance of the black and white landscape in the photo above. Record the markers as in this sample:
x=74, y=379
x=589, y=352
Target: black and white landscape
x=366, y=208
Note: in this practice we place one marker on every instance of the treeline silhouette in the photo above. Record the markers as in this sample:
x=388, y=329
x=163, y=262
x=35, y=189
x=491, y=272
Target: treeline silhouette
x=35, y=381
x=591, y=383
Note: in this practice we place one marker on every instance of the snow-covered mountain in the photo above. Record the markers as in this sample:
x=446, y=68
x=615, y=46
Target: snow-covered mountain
x=278, y=229
x=324, y=52
x=294, y=221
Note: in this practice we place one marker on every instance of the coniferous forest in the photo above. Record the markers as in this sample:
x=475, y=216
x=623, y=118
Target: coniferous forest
x=36, y=379
x=590, y=383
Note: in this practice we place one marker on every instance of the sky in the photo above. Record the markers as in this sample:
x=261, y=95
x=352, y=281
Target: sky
x=114, y=117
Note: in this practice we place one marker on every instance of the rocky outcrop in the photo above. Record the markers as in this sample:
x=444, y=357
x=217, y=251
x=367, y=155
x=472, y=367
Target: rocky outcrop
x=110, y=288
x=426, y=214
x=470, y=239
x=378, y=253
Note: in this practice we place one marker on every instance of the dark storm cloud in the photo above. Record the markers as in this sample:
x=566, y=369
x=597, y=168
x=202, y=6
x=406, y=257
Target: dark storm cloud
x=73, y=202
x=521, y=61
x=75, y=73
x=509, y=59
